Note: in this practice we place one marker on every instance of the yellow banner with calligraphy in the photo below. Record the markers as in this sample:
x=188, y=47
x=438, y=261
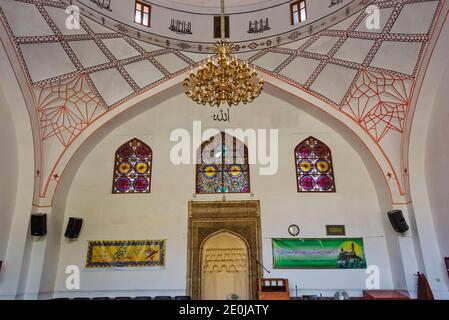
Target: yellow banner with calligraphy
x=128, y=253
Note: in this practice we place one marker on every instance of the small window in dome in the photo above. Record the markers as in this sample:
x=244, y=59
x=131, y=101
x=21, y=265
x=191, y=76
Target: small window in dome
x=142, y=14
x=298, y=11
x=217, y=27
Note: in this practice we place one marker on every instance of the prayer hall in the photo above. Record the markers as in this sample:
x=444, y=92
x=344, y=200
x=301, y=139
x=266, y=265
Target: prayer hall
x=231, y=150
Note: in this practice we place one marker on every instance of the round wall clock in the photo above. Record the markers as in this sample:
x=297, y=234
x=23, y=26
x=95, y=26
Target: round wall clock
x=293, y=230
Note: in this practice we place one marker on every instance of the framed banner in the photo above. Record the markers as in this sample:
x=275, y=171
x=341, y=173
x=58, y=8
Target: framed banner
x=127, y=253
x=329, y=253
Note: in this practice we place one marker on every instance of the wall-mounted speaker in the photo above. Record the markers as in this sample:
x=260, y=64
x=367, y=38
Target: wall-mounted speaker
x=397, y=220
x=39, y=224
x=73, y=228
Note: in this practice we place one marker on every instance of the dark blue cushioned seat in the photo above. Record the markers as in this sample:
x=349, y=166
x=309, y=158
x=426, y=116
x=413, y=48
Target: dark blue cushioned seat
x=183, y=298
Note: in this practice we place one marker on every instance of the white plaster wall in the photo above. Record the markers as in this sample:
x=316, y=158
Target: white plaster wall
x=431, y=103
x=8, y=173
x=163, y=213
x=21, y=172
x=437, y=159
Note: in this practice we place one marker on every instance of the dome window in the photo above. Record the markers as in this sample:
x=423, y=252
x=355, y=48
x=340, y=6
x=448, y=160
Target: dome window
x=298, y=11
x=143, y=14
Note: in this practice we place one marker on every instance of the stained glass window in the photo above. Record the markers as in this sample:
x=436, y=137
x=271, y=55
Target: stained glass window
x=132, y=169
x=223, y=166
x=314, y=170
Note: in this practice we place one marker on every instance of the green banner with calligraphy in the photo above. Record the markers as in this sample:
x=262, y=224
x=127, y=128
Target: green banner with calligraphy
x=329, y=253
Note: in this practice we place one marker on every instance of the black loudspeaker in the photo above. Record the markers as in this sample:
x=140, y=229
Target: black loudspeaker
x=73, y=228
x=397, y=221
x=39, y=224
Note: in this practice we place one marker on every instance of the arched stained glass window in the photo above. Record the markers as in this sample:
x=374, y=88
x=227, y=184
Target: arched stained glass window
x=314, y=169
x=223, y=166
x=132, y=168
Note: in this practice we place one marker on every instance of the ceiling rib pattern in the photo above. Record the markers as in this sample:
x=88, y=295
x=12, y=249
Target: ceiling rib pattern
x=66, y=108
x=374, y=90
x=98, y=39
x=353, y=93
x=379, y=102
x=367, y=75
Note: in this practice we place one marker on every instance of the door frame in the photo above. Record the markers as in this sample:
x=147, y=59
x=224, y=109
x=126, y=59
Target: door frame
x=209, y=217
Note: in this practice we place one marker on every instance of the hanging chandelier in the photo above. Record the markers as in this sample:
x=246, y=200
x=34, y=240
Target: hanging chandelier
x=222, y=78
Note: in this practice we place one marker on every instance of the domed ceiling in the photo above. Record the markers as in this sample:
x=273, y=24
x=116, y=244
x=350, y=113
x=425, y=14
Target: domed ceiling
x=199, y=5
x=77, y=78
x=199, y=15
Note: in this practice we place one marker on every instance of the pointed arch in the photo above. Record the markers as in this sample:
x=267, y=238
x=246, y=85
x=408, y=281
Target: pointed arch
x=132, y=168
x=225, y=266
x=314, y=167
x=222, y=166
